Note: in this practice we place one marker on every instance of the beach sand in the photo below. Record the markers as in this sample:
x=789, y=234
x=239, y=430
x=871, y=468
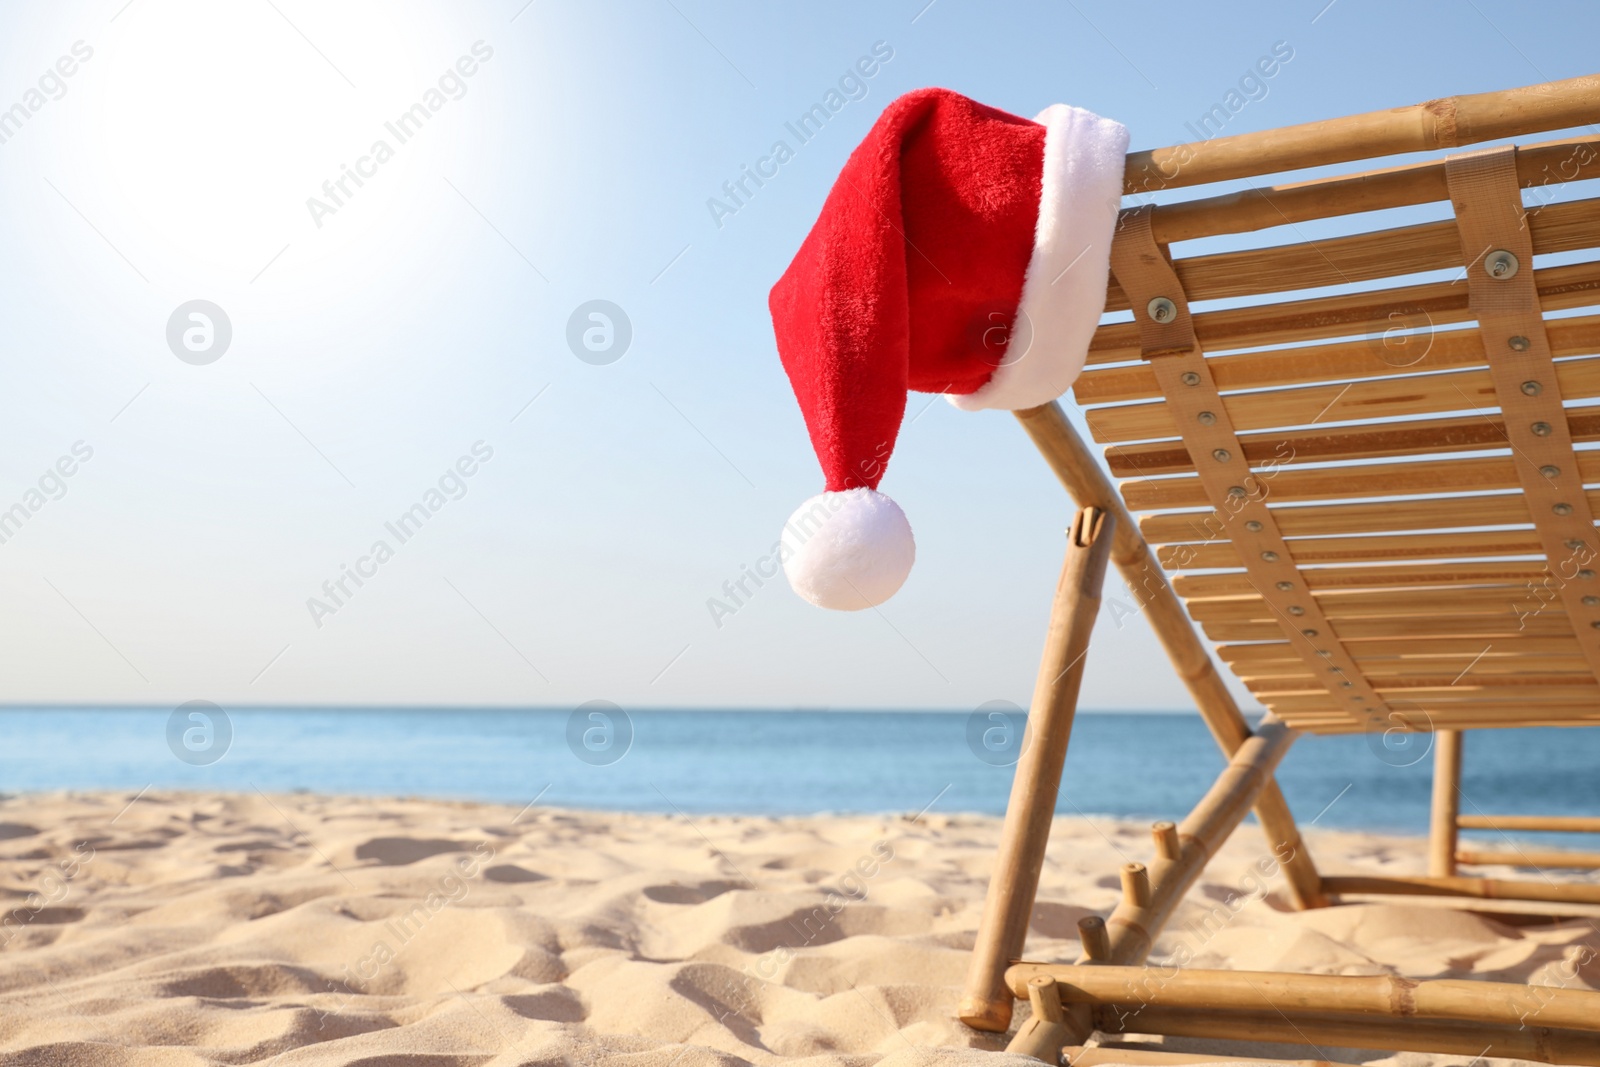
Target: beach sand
x=241, y=929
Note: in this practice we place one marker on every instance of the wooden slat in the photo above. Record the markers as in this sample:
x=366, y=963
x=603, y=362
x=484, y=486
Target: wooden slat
x=1379, y=548
x=1462, y=703
x=1370, y=652
x=1439, y=303
x=1448, y=122
x=1311, y=520
x=1379, y=398
x=1546, y=624
x=1384, y=603
x=1346, y=483
x=1457, y=433
x=1511, y=718
x=1360, y=257
x=1544, y=164
x=1236, y=583
x=1338, y=361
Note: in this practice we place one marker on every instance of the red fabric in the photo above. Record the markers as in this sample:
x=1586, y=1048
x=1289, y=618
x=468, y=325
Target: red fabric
x=911, y=276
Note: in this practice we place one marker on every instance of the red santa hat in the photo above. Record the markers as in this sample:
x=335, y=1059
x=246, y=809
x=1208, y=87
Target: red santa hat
x=962, y=251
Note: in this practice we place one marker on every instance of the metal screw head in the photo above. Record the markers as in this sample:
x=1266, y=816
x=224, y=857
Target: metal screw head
x=1286, y=586
x=1500, y=264
x=1540, y=429
x=1586, y=574
x=1309, y=633
x=1236, y=491
x=1531, y=388
x=1562, y=509
x=1270, y=557
x=1595, y=625
x=1550, y=470
x=1324, y=652
x=1336, y=670
x=1296, y=609
x=1190, y=378
x=1518, y=343
x=1591, y=601
x=1163, y=310
x=1253, y=526
x=1573, y=543
x=1222, y=455
x=1348, y=685
x=1206, y=418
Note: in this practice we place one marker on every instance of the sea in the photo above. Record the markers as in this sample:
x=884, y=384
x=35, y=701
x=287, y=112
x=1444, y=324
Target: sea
x=1140, y=765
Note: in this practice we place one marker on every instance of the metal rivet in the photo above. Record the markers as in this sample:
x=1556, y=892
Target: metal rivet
x=1190, y=378
x=1500, y=264
x=1236, y=491
x=1562, y=509
x=1335, y=670
x=1270, y=557
x=1586, y=574
x=1323, y=652
x=1596, y=625
x=1206, y=418
x=1163, y=310
x=1518, y=343
x=1253, y=526
x=1348, y=685
x=1530, y=388
x=1591, y=601
x=1573, y=543
x=1222, y=455
x=1286, y=586
x=1309, y=633
x=1550, y=470
x=1540, y=429
x=1296, y=609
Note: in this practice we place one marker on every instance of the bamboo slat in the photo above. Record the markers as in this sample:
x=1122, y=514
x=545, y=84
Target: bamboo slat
x=1353, y=314
x=1377, y=398
x=1566, y=824
x=1547, y=624
x=1549, y=163
x=1446, y=803
x=1384, y=479
x=1149, y=1056
x=1380, y=603
x=1495, y=572
x=1440, y=513
x=1418, y=649
x=1538, y=858
x=1485, y=888
x=1360, y=257
x=1449, y=122
x=1335, y=362
x=1380, y=548
x=1369, y=997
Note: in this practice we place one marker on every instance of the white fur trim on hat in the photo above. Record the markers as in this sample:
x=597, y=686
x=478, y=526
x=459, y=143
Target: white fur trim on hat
x=1064, y=290
x=848, y=550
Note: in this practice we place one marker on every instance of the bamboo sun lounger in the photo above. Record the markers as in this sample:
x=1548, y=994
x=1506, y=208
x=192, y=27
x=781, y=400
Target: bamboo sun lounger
x=1373, y=502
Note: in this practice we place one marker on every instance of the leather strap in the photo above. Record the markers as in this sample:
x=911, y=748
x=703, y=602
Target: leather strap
x=1487, y=198
x=1238, y=494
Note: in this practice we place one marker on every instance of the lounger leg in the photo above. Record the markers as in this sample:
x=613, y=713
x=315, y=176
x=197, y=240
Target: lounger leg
x=1442, y=834
x=1009, y=904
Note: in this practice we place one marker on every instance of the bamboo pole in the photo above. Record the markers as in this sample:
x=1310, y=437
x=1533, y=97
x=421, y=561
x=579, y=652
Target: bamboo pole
x=1483, y=888
x=1009, y=904
x=1076, y=467
x=1536, y=1043
x=1149, y=900
x=1442, y=832
x=1449, y=122
x=1148, y=1056
x=1553, y=163
x=1135, y=989
x=1530, y=858
x=1562, y=824
x=1092, y=935
x=1166, y=838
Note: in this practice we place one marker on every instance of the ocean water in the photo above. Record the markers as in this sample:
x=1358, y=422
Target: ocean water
x=1144, y=766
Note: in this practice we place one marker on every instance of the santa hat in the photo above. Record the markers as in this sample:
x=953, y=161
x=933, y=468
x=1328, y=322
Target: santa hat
x=962, y=251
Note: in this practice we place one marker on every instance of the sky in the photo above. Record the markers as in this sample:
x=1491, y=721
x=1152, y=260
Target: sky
x=412, y=333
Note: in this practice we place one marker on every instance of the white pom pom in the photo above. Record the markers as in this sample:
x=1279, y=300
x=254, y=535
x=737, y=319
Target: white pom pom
x=849, y=550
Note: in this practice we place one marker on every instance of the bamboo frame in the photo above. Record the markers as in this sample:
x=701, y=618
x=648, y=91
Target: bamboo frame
x=1446, y=803
x=1079, y=472
x=1008, y=905
x=1560, y=824
x=1538, y=858
x=1148, y=1056
x=1481, y=888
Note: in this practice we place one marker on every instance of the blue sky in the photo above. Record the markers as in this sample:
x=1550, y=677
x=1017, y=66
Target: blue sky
x=376, y=347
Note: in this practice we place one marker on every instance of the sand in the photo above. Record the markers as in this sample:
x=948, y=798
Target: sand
x=246, y=929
